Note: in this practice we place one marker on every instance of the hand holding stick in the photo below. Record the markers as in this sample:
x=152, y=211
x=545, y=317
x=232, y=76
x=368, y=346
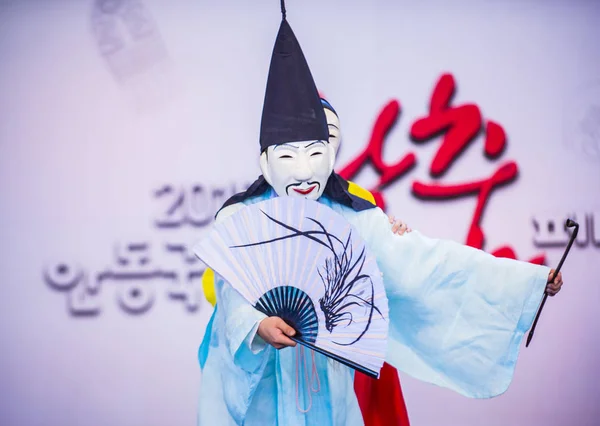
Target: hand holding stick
x=569, y=224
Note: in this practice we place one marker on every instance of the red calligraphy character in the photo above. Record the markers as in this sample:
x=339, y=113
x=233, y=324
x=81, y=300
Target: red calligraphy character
x=374, y=153
x=460, y=125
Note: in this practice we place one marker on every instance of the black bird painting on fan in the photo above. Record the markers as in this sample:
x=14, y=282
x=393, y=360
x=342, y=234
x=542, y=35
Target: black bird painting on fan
x=340, y=274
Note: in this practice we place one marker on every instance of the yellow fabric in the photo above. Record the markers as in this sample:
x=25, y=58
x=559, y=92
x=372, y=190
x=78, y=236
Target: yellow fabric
x=360, y=192
x=208, y=286
x=208, y=278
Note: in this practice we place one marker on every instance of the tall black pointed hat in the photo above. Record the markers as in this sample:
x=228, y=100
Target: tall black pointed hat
x=292, y=110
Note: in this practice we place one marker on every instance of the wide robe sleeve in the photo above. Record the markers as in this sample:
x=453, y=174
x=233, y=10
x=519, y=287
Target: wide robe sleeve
x=239, y=354
x=457, y=314
x=241, y=326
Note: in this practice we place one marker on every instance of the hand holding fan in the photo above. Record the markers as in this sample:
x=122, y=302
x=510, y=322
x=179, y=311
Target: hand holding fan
x=299, y=260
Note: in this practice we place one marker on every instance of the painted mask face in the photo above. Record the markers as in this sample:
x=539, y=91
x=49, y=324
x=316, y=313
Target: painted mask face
x=299, y=169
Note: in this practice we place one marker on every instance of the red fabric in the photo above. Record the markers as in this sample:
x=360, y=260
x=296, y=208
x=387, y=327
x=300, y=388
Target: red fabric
x=381, y=401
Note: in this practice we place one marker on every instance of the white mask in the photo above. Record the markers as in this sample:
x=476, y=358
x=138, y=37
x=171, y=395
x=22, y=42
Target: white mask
x=333, y=123
x=298, y=169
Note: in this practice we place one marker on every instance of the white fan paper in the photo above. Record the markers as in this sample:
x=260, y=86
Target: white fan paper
x=299, y=260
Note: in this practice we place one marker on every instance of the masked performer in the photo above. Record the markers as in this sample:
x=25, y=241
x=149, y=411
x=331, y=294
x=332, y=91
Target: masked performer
x=457, y=315
x=381, y=401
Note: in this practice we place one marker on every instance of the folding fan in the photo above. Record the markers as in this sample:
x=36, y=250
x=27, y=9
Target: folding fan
x=299, y=260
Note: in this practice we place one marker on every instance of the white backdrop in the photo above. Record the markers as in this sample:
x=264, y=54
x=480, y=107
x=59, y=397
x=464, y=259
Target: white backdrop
x=124, y=124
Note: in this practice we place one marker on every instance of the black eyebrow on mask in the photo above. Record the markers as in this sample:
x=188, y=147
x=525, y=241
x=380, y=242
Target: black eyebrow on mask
x=334, y=126
x=315, y=142
x=281, y=144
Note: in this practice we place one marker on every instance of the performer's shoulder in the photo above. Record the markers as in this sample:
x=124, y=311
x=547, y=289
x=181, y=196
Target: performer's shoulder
x=360, y=192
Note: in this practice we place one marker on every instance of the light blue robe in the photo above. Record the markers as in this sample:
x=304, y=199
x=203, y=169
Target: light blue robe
x=457, y=317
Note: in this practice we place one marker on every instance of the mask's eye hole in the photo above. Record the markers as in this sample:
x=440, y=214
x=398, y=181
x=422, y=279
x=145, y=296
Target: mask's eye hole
x=314, y=154
x=285, y=156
